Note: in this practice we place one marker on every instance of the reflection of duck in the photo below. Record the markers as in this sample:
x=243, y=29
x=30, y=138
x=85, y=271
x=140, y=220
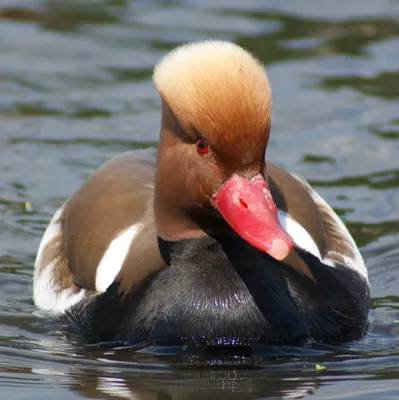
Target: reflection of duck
x=210, y=384
x=203, y=241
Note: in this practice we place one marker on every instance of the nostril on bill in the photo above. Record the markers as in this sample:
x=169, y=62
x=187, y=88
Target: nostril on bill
x=243, y=203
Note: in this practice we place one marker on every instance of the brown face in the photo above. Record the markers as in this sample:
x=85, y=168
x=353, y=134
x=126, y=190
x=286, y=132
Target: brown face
x=205, y=180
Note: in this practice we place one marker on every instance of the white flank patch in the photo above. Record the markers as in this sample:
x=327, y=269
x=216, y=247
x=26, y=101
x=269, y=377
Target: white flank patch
x=47, y=295
x=356, y=262
x=298, y=233
x=114, y=257
x=115, y=387
x=52, y=230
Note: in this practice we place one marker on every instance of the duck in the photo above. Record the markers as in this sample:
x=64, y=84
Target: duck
x=202, y=240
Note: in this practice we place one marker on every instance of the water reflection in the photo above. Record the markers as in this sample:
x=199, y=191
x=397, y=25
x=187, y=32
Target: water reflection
x=389, y=130
x=198, y=385
x=384, y=85
x=61, y=15
x=295, y=39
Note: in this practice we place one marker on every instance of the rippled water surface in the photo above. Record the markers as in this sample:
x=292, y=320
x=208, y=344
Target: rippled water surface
x=75, y=79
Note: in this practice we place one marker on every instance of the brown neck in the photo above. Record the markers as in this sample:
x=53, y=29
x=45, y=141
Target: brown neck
x=171, y=194
x=185, y=182
x=172, y=223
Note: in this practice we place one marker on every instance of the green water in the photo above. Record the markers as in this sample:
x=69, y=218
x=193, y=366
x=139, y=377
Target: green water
x=75, y=90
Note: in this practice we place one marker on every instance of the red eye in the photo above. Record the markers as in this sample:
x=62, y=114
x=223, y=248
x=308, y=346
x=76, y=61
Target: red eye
x=202, y=146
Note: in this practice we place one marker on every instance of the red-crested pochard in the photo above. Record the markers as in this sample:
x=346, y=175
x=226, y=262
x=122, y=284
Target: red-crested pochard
x=203, y=241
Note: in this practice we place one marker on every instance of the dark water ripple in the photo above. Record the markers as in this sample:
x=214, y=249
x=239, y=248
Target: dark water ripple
x=76, y=89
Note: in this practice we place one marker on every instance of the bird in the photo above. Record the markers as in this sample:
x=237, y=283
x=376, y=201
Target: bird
x=202, y=240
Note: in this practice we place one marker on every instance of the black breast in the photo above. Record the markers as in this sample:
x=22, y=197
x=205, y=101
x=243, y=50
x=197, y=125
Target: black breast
x=223, y=291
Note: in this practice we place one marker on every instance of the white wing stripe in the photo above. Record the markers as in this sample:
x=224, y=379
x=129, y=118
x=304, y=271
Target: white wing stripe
x=356, y=262
x=298, y=233
x=114, y=257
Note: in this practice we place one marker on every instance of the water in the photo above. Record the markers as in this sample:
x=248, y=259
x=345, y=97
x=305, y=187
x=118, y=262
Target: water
x=76, y=89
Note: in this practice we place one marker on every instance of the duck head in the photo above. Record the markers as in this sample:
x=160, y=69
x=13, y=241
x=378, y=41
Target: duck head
x=211, y=175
